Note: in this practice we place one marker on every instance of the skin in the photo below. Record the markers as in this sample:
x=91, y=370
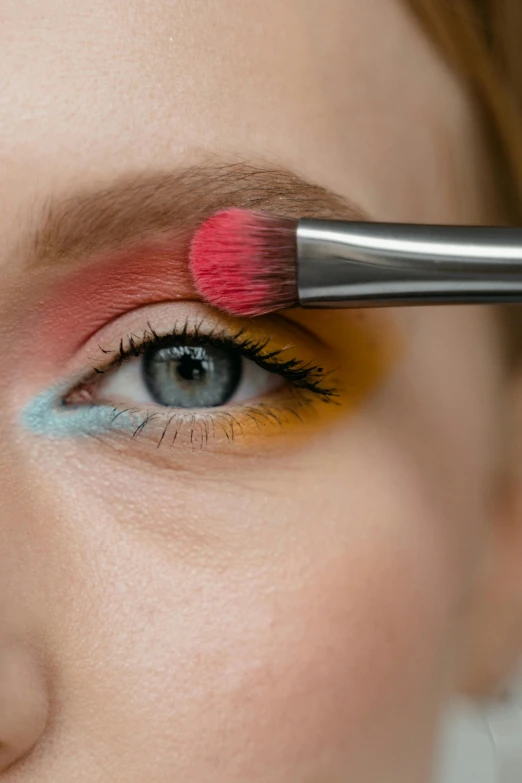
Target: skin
x=301, y=608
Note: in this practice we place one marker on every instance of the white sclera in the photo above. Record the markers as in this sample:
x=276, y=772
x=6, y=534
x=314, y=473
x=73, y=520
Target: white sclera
x=127, y=385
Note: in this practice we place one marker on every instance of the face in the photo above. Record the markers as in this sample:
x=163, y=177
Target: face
x=231, y=550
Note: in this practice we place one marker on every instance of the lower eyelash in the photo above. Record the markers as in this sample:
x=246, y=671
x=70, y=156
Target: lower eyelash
x=50, y=416
x=199, y=428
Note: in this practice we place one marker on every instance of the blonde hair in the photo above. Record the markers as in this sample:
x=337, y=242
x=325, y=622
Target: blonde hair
x=482, y=41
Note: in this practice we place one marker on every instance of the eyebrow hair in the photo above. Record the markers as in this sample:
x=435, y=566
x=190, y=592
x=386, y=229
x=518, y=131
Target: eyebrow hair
x=145, y=206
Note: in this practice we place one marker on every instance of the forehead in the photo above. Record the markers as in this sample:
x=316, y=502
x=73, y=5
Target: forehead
x=353, y=99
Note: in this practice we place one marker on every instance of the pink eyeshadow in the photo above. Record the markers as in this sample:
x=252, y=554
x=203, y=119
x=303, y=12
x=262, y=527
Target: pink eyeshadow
x=104, y=289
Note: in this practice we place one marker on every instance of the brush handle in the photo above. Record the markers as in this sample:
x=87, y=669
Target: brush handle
x=343, y=264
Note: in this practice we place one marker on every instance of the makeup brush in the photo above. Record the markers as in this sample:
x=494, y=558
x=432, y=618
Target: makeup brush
x=248, y=263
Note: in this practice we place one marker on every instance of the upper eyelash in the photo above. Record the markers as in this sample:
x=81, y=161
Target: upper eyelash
x=304, y=375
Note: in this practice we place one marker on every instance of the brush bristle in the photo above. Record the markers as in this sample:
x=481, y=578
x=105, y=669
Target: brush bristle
x=244, y=261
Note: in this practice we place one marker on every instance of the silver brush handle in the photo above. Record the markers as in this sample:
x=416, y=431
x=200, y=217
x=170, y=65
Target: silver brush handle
x=344, y=264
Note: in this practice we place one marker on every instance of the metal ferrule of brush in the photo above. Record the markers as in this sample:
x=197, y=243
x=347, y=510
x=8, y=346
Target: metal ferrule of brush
x=344, y=264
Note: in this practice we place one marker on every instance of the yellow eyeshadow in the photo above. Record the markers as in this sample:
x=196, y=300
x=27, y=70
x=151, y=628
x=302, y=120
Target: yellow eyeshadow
x=357, y=349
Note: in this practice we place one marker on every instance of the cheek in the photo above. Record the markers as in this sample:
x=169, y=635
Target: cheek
x=264, y=625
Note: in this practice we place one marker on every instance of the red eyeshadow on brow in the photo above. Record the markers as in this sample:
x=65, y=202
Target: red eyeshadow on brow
x=106, y=288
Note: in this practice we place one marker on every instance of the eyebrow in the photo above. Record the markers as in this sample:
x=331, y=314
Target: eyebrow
x=144, y=206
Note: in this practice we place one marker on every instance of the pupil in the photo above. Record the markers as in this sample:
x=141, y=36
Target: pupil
x=190, y=369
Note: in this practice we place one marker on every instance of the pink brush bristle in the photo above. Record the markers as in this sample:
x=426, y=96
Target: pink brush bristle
x=244, y=261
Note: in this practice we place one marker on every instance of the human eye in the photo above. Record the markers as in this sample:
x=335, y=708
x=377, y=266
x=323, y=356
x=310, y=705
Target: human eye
x=198, y=377
x=176, y=374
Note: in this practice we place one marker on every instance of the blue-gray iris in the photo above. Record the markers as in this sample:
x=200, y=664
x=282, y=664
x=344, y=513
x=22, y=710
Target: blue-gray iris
x=191, y=376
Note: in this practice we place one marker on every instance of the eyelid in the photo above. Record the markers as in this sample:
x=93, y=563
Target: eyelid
x=68, y=310
x=163, y=316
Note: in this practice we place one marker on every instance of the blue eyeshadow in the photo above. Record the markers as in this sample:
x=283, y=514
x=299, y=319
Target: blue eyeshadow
x=47, y=415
